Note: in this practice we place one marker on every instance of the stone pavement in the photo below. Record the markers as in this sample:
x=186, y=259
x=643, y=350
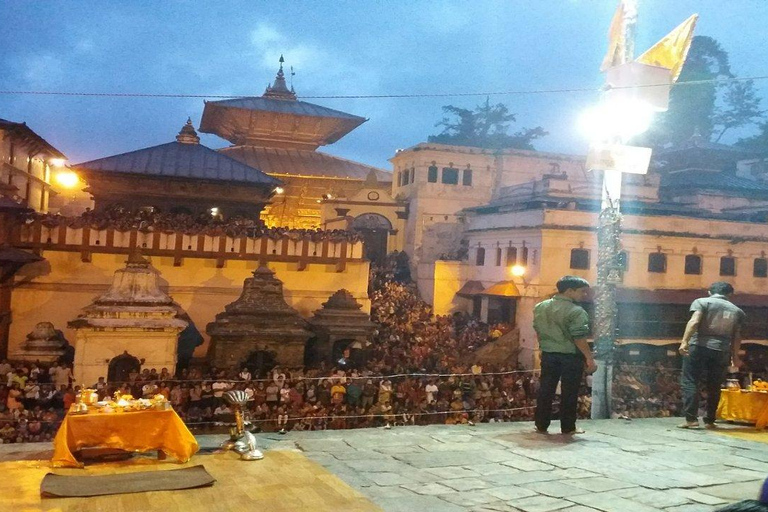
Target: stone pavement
x=617, y=466
x=628, y=466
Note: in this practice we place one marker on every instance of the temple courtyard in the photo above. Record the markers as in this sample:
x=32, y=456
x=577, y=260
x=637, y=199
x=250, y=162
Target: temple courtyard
x=642, y=465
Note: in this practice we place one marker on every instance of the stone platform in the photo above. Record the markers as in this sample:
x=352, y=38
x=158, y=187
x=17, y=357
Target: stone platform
x=628, y=466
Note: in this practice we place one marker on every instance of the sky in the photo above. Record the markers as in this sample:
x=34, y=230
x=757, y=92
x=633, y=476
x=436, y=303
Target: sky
x=361, y=47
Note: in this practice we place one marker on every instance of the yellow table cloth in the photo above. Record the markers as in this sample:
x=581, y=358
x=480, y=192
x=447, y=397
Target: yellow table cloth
x=746, y=407
x=138, y=431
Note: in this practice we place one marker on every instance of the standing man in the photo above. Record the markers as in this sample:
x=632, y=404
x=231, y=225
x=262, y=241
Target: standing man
x=562, y=327
x=711, y=342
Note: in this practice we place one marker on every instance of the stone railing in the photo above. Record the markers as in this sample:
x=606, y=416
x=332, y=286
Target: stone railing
x=286, y=248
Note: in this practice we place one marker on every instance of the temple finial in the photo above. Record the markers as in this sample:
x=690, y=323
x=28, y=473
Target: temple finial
x=188, y=135
x=279, y=89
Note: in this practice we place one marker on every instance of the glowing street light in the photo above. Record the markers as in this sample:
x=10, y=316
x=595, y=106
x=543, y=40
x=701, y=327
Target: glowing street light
x=57, y=162
x=616, y=119
x=279, y=190
x=517, y=270
x=67, y=179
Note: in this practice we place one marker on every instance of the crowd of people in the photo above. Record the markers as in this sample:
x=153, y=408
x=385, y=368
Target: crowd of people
x=419, y=369
x=149, y=220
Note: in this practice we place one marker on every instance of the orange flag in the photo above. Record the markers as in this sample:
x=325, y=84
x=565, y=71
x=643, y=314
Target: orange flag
x=671, y=51
x=615, y=54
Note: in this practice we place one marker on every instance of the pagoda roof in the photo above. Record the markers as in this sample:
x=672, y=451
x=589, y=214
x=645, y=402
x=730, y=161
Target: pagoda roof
x=185, y=159
x=302, y=162
x=276, y=119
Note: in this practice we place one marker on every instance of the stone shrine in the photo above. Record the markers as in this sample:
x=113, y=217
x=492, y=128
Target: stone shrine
x=45, y=343
x=133, y=324
x=259, y=329
x=339, y=325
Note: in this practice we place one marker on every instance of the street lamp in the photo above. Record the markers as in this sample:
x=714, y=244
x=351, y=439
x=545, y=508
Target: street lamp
x=635, y=89
x=517, y=270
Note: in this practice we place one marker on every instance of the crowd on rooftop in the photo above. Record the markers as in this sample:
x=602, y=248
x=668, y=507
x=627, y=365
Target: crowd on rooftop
x=150, y=220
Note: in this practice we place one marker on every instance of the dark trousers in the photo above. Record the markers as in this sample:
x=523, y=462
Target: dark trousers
x=568, y=370
x=707, y=367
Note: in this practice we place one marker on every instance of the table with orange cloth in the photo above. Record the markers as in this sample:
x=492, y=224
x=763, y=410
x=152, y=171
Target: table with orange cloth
x=135, y=431
x=744, y=407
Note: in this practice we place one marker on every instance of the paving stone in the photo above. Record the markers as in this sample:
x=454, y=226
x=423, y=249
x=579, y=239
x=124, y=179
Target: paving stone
x=388, y=478
x=376, y=466
x=417, y=503
x=600, y=484
x=452, y=472
x=492, y=468
x=699, y=497
x=466, y=484
x=496, y=506
x=540, y=504
x=693, y=477
x=693, y=507
x=650, y=480
x=609, y=502
x=733, y=491
x=324, y=445
x=511, y=492
x=653, y=498
x=745, y=463
x=469, y=498
x=399, y=448
x=434, y=459
x=525, y=464
x=360, y=455
x=556, y=489
x=390, y=491
x=522, y=478
x=579, y=508
x=430, y=489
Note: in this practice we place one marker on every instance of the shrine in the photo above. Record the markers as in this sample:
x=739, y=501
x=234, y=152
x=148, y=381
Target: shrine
x=259, y=329
x=340, y=325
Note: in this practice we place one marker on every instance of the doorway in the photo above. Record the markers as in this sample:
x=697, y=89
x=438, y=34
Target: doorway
x=122, y=366
x=374, y=229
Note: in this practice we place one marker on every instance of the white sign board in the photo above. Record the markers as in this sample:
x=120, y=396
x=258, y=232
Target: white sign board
x=634, y=82
x=615, y=157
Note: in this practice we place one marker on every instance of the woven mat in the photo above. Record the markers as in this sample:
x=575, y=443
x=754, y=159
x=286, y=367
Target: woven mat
x=66, y=486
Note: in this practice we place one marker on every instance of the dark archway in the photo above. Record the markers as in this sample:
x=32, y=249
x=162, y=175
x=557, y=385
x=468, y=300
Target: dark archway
x=374, y=229
x=122, y=366
x=260, y=362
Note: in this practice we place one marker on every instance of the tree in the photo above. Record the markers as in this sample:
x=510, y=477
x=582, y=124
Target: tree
x=757, y=143
x=486, y=126
x=709, y=109
x=742, y=107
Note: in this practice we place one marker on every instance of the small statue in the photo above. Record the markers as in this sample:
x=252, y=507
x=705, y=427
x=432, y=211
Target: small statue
x=240, y=440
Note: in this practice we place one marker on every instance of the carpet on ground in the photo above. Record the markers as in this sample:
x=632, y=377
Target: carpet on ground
x=67, y=486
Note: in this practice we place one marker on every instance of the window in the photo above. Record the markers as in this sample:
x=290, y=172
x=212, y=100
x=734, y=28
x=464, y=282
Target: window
x=693, y=264
x=405, y=177
x=466, y=178
x=413, y=175
x=760, y=268
x=450, y=176
x=498, y=256
x=524, y=257
x=432, y=174
x=399, y=179
x=480, y=259
x=657, y=262
x=580, y=258
x=511, y=256
x=727, y=266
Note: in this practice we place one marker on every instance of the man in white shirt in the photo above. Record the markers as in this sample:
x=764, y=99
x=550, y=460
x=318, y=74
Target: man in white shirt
x=431, y=390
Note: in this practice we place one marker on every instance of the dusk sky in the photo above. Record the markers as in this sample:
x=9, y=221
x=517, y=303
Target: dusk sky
x=336, y=48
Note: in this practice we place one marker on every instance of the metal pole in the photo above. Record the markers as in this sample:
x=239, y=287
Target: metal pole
x=609, y=247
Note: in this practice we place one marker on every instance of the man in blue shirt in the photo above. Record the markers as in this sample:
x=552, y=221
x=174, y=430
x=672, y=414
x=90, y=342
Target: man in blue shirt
x=711, y=342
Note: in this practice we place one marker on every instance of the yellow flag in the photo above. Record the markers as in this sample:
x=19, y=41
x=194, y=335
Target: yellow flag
x=671, y=51
x=615, y=54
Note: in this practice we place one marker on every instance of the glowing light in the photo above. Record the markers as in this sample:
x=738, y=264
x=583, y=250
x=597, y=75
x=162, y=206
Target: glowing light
x=517, y=270
x=57, y=162
x=67, y=179
x=214, y=211
x=279, y=190
x=610, y=119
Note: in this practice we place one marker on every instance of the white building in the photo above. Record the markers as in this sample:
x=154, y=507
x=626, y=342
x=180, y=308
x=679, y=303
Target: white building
x=700, y=215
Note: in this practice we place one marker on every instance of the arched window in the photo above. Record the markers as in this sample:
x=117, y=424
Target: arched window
x=432, y=174
x=727, y=266
x=760, y=267
x=693, y=264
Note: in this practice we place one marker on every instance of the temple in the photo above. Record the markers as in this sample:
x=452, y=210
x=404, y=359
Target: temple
x=280, y=135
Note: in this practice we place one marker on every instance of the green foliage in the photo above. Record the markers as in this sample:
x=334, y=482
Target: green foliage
x=486, y=126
